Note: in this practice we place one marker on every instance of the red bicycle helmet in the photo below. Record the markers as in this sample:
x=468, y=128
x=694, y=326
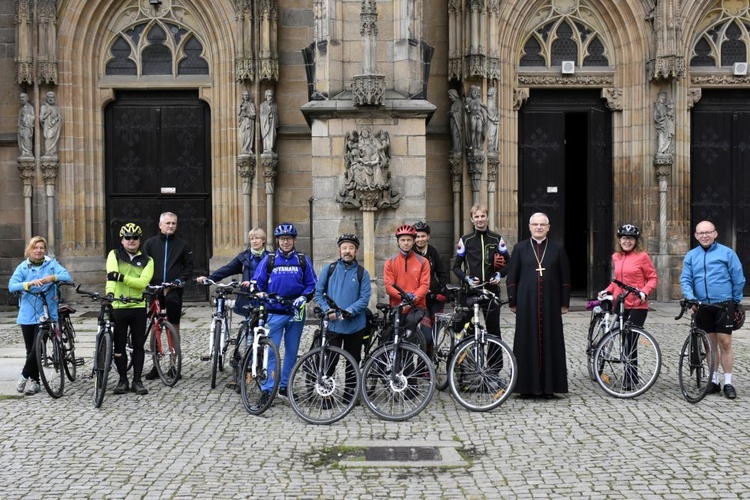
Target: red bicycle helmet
x=406, y=230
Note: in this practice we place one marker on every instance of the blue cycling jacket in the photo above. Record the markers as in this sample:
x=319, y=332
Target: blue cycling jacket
x=347, y=292
x=712, y=274
x=30, y=306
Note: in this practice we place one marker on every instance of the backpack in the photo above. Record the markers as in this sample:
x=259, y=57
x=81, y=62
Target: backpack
x=271, y=262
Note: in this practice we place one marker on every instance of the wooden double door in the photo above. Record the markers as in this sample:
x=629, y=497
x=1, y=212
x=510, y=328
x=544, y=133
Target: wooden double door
x=158, y=160
x=720, y=169
x=565, y=171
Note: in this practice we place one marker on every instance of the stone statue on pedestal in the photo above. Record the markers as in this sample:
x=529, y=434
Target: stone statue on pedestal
x=269, y=122
x=50, y=117
x=246, y=119
x=26, y=117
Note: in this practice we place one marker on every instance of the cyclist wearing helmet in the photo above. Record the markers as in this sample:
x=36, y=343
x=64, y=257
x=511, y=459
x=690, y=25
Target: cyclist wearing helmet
x=341, y=281
x=712, y=273
x=128, y=274
x=411, y=272
x=632, y=266
x=173, y=263
x=294, y=281
x=481, y=256
x=439, y=276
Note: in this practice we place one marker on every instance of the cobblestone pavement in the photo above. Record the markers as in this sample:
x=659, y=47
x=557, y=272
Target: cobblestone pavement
x=191, y=441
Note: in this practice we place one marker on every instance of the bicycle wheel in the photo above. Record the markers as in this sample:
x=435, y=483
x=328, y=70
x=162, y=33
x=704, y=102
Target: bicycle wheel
x=68, y=340
x=215, y=352
x=240, y=348
x=166, y=353
x=596, y=333
x=482, y=375
x=102, y=364
x=441, y=354
x=50, y=360
x=398, y=383
x=696, y=366
x=323, y=388
x=630, y=362
x=255, y=399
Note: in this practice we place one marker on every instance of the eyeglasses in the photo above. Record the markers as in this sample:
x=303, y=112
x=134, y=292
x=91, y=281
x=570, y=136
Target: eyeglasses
x=538, y=224
x=705, y=233
x=131, y=238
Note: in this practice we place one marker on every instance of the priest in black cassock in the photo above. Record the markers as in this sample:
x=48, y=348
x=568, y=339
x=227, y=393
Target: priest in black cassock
x=538, y=284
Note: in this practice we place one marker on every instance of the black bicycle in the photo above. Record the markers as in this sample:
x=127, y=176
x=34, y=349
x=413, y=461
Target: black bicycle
x=398, y=379
x=696, y=365
x=323, y=390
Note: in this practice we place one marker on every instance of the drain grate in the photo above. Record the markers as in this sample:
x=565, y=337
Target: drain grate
x=402, y=453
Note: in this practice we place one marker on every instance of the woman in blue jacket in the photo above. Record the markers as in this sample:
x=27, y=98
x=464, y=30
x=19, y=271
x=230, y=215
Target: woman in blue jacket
x=35, y=274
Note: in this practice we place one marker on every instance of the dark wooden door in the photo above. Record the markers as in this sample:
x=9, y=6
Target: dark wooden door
x=158, y=160
x=720, y=170
x=565, y=171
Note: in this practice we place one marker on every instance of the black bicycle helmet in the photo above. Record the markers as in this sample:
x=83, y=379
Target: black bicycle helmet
x=285, y=229
x=352, y=238
x=422, y=227
x=739, y=317
x=629, y=230
x=130, y=229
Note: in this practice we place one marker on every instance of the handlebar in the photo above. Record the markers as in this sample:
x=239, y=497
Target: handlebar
x=106, y=298
x=333, y=308
x=686, y=304
x=629, y=289
x=406, y=297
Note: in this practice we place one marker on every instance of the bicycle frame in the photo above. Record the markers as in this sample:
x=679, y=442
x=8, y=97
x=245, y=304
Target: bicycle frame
x=155, y=314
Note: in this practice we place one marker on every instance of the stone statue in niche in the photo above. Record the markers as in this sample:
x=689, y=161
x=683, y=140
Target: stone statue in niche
x=664, y=119
x=476, y=118
x=455, y=117
x=26, y=117
x=246, y=119
x=367, y=179
x=493, y=120
x=269, y=122
x=50, y=117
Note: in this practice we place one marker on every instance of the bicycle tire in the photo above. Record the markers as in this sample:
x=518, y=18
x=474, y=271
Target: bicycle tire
x=166, y=353
x=441, y=356
x=102, y=364
x=251, y=386
x=596, y=333
x=240, y=348
x=695, y=368
x=50, y=360
x=405, y=395
x=630, y=362
x=69, y=347
x=477, y=382
x=327, y=399
x=215, y=352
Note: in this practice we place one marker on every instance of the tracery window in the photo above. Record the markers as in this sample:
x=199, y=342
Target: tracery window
x=566, y=32
x=724, y=37
x=156, y=47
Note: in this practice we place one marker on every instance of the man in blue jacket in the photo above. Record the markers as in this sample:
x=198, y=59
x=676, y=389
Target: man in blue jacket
x=293, y=280
x=712, y=273
x=349, y=288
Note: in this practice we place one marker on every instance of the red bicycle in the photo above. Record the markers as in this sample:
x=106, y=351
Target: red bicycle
x=165, y=342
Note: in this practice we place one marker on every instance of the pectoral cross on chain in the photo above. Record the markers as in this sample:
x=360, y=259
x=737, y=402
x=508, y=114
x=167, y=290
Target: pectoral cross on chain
x=540, y=269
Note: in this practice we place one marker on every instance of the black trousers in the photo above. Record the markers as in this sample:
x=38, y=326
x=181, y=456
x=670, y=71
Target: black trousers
x=135, y=320
x=30, y=368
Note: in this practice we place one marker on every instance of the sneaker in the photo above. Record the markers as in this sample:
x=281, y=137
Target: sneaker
x=32, y=387
x=262, y=400
x=122, y=387
x=138, y=388
x=232, y=385
x=713, y=388
x=283, y=393
x=21, y=383
x=152, y=375
x=205, y=357
x=729, y=391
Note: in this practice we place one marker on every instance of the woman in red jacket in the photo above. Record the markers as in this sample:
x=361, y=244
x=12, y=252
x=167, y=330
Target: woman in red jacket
x=633, y=267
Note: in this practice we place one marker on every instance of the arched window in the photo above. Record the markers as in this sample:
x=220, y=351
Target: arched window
x=724, y=39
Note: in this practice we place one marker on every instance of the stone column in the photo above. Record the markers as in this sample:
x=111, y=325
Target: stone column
x=663, y=169
x=476, y=168
x=457, y=166
x=246, y=169
x=493, y=162
x=269, y=161
x=50, y=166
x=27, y=169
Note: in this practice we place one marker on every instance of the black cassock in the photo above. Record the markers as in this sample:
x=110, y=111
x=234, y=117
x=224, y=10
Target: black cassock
x=539, y=345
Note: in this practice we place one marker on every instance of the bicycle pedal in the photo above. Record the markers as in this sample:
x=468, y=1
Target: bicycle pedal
x=79, y=362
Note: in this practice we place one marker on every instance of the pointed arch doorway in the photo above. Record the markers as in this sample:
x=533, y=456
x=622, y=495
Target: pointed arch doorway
x=565, y=171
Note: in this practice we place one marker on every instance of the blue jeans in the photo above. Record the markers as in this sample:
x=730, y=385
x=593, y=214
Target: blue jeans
x=282, y=325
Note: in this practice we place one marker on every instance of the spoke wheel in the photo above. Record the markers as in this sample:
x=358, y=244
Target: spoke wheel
x=166, y=353
x=482, y=376
x=68, y=347
x=215, y=352
x=696, y=366
x=266, y=377
x=596, y=333
x=441, y=355
x=628, y=362
x=398, y=384
x=323, y=385
x=50, y=360
x=102, y=364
